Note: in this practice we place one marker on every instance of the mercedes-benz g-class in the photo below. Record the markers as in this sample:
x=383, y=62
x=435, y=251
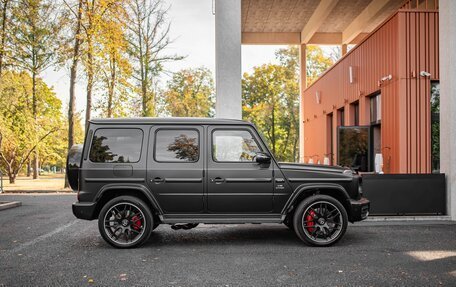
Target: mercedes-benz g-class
x=134, y=174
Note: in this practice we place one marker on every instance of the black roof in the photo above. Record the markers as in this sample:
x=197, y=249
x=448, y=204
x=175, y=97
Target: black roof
x=200, y=121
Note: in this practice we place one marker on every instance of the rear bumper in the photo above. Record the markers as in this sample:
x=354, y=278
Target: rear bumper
x=84, y=210
x=359, y=209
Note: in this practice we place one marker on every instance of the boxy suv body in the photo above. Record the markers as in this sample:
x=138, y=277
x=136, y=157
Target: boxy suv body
x=134, y=174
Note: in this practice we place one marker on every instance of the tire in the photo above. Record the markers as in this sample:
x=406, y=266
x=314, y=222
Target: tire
x=125, y=222
x=320, y=220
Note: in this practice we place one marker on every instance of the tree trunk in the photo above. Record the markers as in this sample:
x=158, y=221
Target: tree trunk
x=28, y=168
x=89, y=86
x=111, y=85
x=90, y=72
x=73, y=74
x=88, y=113
x=12, y=178
x=11, y=174
x=3, y=32
x=34, y=108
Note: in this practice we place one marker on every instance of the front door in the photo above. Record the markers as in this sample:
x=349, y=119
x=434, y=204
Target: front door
x=175, y=168
x=236, y=183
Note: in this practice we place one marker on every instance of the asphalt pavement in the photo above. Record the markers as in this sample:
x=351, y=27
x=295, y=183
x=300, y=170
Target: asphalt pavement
x=42, y=243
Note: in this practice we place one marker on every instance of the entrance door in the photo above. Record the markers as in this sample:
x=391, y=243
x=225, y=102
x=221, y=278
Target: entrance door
x=175, y=168
x=237, y=184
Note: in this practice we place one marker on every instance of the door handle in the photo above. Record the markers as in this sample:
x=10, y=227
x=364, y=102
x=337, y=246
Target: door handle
x=158, y=180
x=217, y=180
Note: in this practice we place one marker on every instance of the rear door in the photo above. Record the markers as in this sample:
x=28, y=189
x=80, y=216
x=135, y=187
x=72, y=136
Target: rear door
x=237, y=184
x=175, y=168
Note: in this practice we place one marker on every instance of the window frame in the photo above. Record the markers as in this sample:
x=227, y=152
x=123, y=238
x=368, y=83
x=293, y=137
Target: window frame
x=233, y=129
x=154, y=153
x=115, y=162
x=378, y=108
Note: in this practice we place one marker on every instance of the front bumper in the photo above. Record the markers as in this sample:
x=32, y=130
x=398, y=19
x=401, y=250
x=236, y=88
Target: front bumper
x=84, y=210
x=359, y=209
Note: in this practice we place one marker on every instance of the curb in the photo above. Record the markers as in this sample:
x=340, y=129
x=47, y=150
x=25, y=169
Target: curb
x=36, y=191
x=408, y=218
x=9, y=204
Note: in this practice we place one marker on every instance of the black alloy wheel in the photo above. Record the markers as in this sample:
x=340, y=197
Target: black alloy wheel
x=125, y=222
x=320, y=220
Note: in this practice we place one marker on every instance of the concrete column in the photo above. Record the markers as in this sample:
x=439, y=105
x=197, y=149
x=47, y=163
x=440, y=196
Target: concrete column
x=303, y=86
x=447, y=27
x=228, y=59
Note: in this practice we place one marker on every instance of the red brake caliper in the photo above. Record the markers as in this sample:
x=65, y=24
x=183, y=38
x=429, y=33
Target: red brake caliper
x=136, y=222
x=310, y=221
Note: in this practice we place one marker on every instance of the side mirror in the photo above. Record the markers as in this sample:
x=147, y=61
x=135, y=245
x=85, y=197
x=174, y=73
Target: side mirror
x=262, y=158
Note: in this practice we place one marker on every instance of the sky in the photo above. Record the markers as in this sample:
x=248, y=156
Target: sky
x=193, y=35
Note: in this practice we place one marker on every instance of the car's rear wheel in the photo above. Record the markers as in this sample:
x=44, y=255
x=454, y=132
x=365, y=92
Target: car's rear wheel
x=320, y=220
x=125, y=222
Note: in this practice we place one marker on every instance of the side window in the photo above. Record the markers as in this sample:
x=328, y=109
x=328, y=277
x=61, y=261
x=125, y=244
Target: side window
x=176, y=145
x=116, y=145
x=233, y=146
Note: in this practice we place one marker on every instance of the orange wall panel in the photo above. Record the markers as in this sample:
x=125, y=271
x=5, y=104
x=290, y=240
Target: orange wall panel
x=403, y=46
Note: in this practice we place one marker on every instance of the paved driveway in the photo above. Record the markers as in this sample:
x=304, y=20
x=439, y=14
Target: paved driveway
x=41, y=243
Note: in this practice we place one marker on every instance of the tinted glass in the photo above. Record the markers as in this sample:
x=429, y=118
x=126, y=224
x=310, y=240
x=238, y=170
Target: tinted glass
x=116, y=145
x=177, y=146
x=435, y=126
x=354, y=147
x=234, y=146
x=376, y=108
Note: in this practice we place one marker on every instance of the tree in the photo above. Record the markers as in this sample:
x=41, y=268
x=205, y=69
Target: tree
x=317, y=63
x=93, y=26
x=4, y=31
x=73, y=74
x=148, y=37
x=18, y=140
x=34, y=39
x=271, y=97
x=263, y=101
x=115, y=69
x=190, y=93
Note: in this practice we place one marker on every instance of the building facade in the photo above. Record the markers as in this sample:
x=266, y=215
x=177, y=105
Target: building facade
x=383, y=84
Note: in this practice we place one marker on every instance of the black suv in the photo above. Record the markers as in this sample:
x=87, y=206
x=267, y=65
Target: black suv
x=134, y=174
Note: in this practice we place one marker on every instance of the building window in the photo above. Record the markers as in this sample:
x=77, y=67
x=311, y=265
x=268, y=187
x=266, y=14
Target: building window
x=341, y=117
x=354, y=113
x=234, y=146
x=353, y=147
x=376, y=109
x=435, y=126
x=329, y=138
x=116, y=145
x=176, y=145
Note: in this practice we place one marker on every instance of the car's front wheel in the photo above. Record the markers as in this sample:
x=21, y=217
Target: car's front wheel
x=320, y=220
x=125, y=222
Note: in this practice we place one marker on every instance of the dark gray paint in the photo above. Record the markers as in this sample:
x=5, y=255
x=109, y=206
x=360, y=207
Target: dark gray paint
x=206, y=190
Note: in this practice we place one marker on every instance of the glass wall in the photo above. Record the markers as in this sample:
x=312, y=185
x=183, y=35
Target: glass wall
x=353, y=147
x=376, y=109
x=435, y=126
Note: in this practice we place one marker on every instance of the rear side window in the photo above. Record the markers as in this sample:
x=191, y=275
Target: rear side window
x=176, y=145
x=116, y=145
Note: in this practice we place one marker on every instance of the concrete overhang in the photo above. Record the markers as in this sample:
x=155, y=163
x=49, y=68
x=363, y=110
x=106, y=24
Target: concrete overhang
x=324, y=22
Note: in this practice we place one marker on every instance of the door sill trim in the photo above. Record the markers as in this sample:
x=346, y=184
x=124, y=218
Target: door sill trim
x=221, y=218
